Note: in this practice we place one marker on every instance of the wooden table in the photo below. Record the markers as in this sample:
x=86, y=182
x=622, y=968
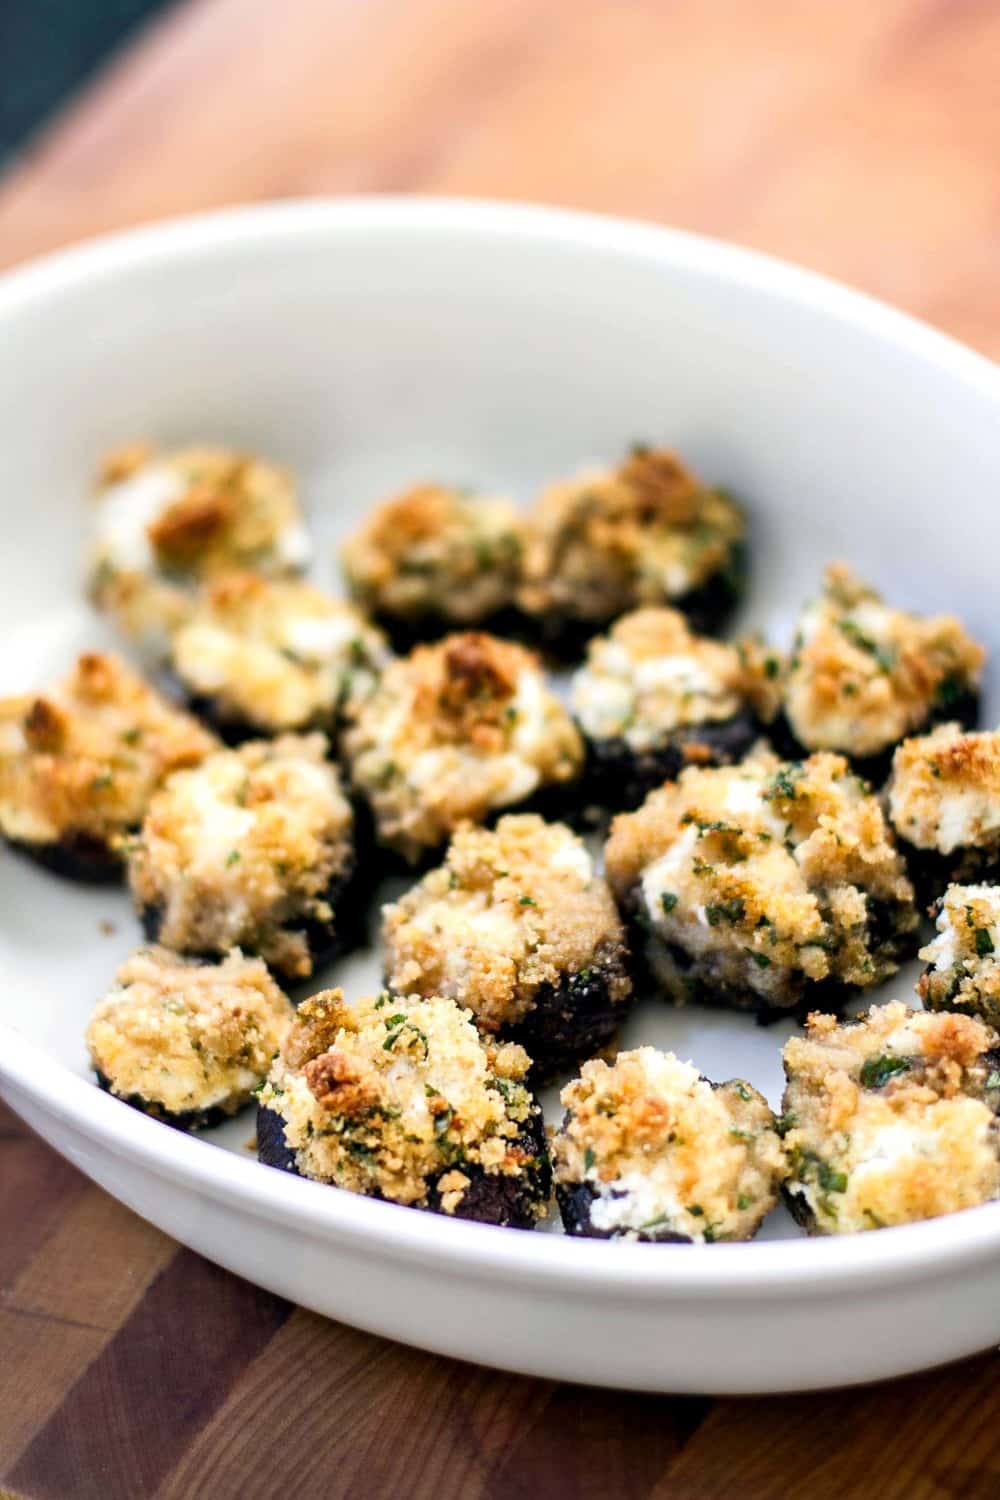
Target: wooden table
x=861, y=137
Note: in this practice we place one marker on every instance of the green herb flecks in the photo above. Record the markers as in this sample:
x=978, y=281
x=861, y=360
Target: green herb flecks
x=731, y=911
x=984, y=941
x=877, y=1071
x=783, y=784
x=885, y=657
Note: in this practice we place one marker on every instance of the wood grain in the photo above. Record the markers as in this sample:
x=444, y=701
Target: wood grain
x=859, y=138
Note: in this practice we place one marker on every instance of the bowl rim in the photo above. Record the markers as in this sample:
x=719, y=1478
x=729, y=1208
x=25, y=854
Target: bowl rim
x=773, y=1267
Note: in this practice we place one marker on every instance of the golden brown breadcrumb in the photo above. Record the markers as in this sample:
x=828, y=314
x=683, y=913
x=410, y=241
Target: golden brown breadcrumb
x=863, y=674
x=165, y=521
x=453, y=731
x=650, y=675
x=188, y=1036
x=242, y=851
x=436, y=551
x=86, y=757
x=963, y=960
x=890, y=1118
x=662, y=1149
x=944, y=793
x=646, y=532
x=276, y=654
x=509, y=910
x=763, y=874
x=385, y=1096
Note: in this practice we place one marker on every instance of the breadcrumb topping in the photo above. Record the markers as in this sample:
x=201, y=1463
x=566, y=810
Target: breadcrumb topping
x=86, y=757
x=168, y=520
x=244, y=849
x=188, y=1036
x=863, y=674
x=944, y=793
x=277, y=654
x=964, y=967
x=765, y=875
x=650, y=676
x=397, y=1095
x=453, y=731
x=509, y=910
x=436, y=551
x=664, y=1150
x=646, y=532
x=891, y=1118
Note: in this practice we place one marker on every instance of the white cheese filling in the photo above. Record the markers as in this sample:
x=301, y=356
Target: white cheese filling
x=128, y=509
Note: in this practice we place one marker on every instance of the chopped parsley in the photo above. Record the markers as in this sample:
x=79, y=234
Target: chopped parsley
x=857, y=637
x=783, y=783
x=668, y=901
x=984, y=941
x=830, y=1180
x=878, y=1070
x=399, y=1025
x=732, y=911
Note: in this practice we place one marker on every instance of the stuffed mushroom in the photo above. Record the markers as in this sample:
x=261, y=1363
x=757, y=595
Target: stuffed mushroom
x=645, y=533
x=401, y=1098
x=435, y=559
x=652, y=698
x=455, y=732
x=650, y=1150
x=166, y=522
x=944, y=803
x=252, y=849
x=765, y=885
x=261, y=656
x=517, y=925
x=963, y=960
x=890, y=1119
x=80, y=763
x=864, y=675
x=185, y=1041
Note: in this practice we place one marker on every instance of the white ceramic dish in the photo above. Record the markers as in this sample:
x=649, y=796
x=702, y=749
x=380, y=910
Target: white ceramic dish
x=370, y=342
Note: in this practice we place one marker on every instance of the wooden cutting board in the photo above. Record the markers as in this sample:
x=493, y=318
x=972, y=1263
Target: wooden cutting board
x=861, y=137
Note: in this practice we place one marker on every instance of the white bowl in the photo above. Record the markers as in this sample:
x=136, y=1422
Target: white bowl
x=371, y=342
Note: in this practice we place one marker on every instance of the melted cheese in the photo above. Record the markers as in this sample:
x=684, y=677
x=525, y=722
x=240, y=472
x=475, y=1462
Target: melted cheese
x=662, y=1150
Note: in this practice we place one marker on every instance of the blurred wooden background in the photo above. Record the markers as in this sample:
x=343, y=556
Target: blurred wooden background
x=861, y=137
